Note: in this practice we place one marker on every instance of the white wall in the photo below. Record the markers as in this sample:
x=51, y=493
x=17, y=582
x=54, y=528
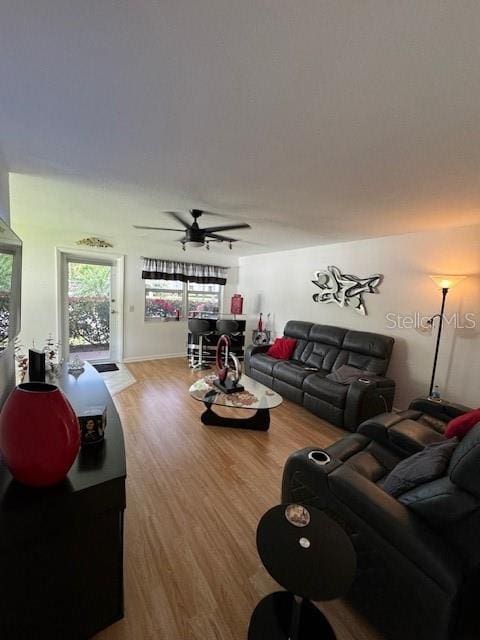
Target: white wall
x=154, y=338
x=142, y=340
x=4, y=190
x=47, y=220
x=47, y=215
x=282, y=281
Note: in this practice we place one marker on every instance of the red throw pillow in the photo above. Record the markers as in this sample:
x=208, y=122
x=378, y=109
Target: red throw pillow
x=459, y=427
x=282, y=348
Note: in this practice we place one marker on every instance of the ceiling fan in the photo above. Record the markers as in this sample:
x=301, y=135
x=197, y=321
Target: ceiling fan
x=194, y=235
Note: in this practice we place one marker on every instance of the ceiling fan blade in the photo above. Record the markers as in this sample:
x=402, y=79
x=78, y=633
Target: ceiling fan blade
x=227, y=227
x=211, y=213
x=137, y=226
x=178, y=218
x=220, y=238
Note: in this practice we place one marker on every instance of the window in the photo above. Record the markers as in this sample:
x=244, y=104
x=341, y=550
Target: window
x=6, y=270
x=203, y=298
x=166, y=299
x=163, y=299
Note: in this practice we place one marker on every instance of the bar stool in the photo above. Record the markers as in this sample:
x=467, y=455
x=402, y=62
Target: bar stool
x=227, y=328
x=199, y=328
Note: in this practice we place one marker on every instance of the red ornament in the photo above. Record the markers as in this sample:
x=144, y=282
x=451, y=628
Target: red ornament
x=236, y=304
x=222, y=365
x=39, y=434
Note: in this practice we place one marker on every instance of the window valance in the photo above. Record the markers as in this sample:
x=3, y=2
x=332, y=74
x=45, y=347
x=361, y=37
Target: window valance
x=156, y=269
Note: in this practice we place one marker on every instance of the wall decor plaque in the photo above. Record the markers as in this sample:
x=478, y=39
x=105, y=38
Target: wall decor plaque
x=344, y=289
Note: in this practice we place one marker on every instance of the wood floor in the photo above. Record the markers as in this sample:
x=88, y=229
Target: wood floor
x=194, y=497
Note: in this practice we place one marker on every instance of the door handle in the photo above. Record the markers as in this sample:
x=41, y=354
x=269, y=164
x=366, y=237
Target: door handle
x=113, y=311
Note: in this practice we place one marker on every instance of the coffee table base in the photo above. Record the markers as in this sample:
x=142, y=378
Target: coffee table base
x=260, y=421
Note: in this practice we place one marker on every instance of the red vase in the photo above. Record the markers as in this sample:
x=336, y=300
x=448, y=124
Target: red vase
x=260, y=323
x=39, y=434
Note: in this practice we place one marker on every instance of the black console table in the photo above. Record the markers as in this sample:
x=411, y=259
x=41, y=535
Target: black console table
x=61, y=549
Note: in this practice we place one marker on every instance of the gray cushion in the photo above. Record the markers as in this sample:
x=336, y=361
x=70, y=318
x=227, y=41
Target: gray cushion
x=465, y=464
x=422, y=467
x=440, y=502
x=347, y=375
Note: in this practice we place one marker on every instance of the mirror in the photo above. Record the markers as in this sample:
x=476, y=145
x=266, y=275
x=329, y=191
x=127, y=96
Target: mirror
x=10, y=284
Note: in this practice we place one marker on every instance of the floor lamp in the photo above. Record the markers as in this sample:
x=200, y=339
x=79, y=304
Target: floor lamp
x=445, y=283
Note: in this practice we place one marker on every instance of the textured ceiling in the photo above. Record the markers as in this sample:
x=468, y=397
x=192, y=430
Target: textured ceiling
x=314, y=121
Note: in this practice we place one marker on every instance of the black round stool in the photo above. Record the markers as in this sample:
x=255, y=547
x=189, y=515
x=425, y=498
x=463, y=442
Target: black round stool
x=199, y=328
x=312, y=557
x=227, y=327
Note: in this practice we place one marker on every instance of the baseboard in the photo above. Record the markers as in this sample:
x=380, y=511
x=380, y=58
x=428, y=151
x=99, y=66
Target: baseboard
x=155, y=357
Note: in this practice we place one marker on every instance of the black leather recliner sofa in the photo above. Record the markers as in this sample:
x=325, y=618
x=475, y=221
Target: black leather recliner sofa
x=418, y=572
x=327, y=348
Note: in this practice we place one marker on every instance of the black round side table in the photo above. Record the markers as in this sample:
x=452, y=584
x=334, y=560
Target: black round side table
x=312, y=557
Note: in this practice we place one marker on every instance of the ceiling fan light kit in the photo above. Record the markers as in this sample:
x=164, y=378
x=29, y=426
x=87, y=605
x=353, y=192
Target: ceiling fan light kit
x=194, y=235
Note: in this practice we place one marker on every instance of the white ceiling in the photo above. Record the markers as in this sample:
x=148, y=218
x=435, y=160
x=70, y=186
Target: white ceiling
x=315, y=121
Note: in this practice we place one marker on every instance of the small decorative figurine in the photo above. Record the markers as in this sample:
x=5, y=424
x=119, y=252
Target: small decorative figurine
x=52, y=350
x=228, y=378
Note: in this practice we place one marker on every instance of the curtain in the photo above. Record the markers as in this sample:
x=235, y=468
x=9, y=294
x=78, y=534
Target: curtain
x=156, y=269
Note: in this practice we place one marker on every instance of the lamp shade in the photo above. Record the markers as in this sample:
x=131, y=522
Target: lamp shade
x=447, y=281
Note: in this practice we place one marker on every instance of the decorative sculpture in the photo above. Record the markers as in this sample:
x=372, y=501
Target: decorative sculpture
x=95, y=242
x=344, y=289
x=228, y=377
x=236, y=304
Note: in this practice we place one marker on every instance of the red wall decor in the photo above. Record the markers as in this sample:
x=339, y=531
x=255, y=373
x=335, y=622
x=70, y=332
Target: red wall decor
x=236, y=304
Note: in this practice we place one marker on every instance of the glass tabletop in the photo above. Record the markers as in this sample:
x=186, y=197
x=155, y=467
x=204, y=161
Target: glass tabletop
x=254, y=396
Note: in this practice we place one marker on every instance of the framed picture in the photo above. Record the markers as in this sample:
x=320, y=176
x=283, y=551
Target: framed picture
x=92, y=425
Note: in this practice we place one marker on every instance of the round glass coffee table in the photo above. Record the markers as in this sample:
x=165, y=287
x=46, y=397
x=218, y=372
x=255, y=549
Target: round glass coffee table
x=255, y=397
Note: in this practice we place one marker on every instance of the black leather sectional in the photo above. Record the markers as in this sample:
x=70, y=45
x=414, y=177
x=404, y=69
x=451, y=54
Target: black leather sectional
x=326, y=349
x=418, y=570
